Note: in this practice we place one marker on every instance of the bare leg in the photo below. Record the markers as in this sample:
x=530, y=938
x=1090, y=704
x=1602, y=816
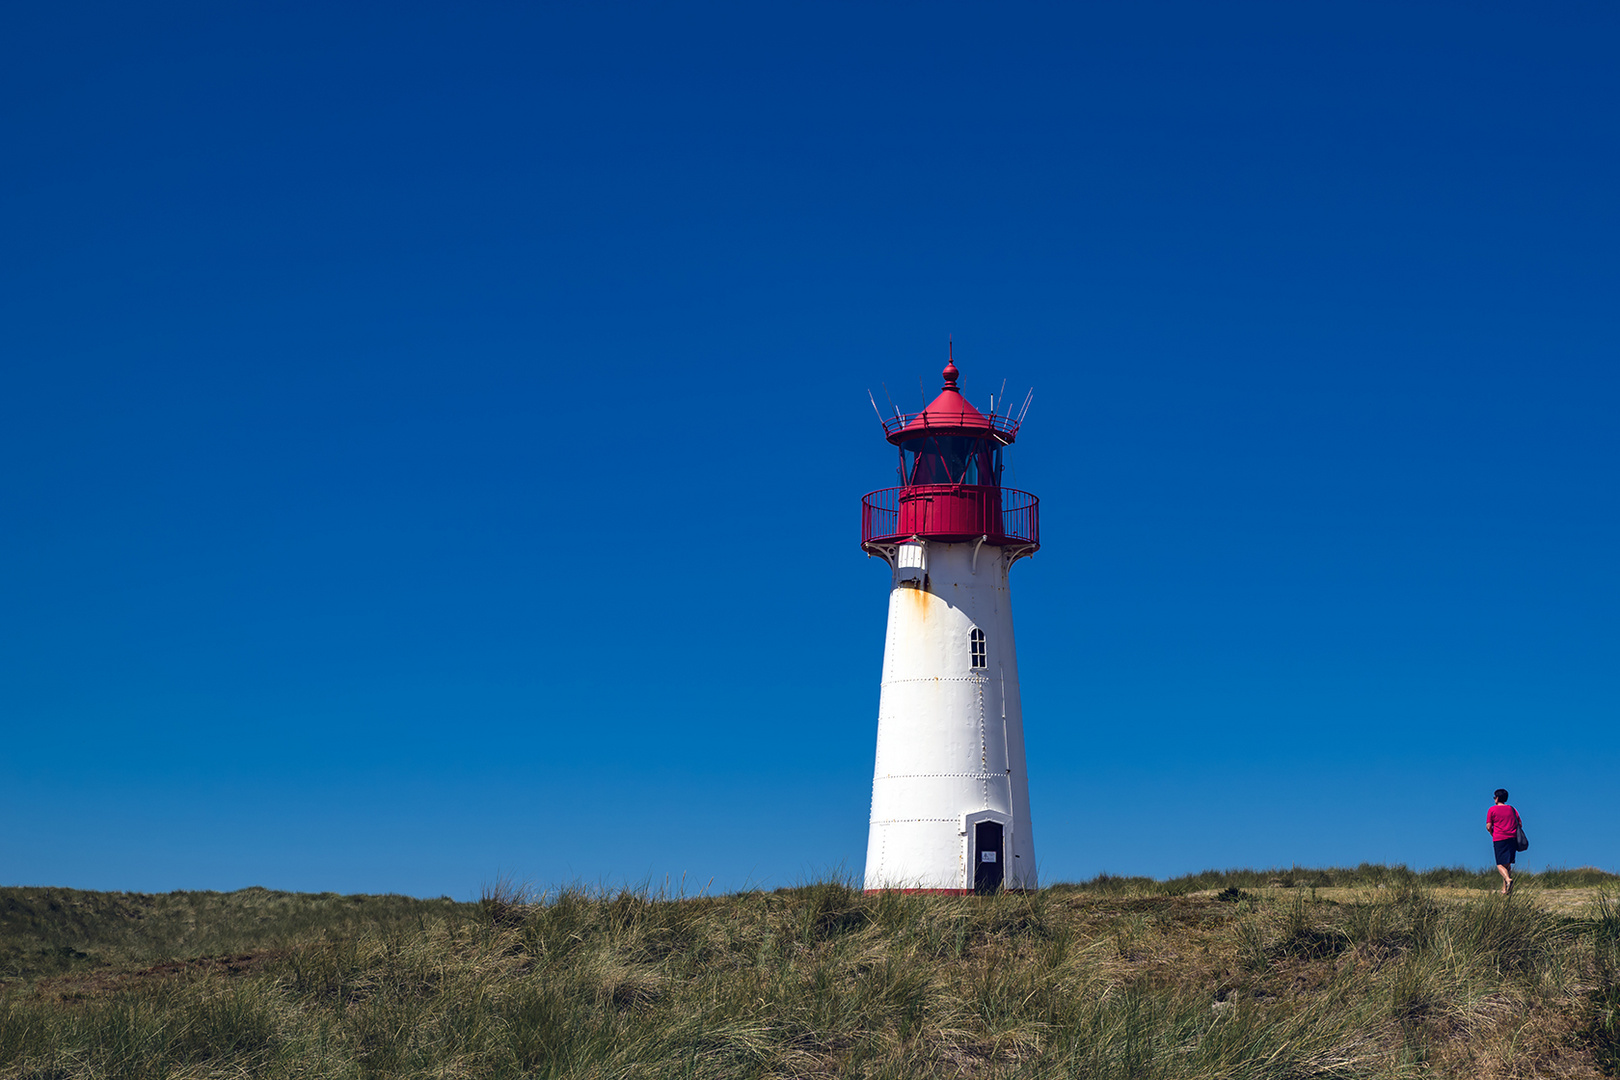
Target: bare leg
x=1507, y=878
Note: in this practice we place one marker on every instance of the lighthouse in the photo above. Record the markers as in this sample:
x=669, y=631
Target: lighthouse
x=950, y=794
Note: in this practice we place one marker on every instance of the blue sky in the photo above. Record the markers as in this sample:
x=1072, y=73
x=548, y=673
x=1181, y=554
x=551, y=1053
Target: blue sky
x=435, y=434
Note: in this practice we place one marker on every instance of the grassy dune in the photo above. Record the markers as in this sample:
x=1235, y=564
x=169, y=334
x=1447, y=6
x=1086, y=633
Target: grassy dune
x=55, y=931
x=1375, y=971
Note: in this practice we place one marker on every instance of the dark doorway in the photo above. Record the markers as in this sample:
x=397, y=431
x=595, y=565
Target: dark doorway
x=988, y=865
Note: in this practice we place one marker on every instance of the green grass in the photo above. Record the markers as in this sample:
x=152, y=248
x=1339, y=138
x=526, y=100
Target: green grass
x=1365, y=875
x=1113, y=978
x=47, y=931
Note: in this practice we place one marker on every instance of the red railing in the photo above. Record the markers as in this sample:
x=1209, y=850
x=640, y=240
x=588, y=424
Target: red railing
x=938, y=420
x=951, y=512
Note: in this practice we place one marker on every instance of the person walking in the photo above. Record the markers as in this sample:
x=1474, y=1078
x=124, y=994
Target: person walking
x=1502, y=822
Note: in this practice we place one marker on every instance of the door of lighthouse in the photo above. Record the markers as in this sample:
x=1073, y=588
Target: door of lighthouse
x=988, y=867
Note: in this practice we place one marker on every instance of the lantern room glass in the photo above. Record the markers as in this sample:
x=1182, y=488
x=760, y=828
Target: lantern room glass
x=951, y=459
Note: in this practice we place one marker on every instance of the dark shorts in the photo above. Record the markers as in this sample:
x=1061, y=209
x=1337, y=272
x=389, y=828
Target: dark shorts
x=1505, y=850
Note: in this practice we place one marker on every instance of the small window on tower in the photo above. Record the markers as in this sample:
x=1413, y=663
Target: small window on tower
x=976, y=646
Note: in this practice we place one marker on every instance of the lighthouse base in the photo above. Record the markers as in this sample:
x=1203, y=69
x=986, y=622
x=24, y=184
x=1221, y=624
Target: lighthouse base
x=948, y=892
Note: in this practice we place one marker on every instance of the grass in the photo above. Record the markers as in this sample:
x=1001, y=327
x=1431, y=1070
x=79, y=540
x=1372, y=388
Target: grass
x=46, y=931
x=1223, y=974
x=1367, y=875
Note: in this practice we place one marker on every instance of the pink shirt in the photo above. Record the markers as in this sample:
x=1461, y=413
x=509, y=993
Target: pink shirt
x=1503, y=820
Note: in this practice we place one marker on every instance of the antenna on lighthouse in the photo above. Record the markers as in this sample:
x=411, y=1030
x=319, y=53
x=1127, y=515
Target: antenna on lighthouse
x=1027, y=399
x=875, y=409
x=892, y=405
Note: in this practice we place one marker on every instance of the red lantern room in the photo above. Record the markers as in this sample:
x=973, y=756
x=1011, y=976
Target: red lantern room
x=950, y=470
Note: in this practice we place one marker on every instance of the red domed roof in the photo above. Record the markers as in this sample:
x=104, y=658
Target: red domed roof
x=950, y=414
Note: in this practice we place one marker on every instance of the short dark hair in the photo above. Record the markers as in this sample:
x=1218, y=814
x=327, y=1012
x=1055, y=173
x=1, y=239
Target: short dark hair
x=1501, y=794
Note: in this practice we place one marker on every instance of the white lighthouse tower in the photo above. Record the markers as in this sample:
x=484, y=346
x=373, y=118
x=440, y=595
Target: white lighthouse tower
x=950, y=795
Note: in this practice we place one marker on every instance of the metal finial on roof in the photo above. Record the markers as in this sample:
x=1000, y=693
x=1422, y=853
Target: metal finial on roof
x=951, y=374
